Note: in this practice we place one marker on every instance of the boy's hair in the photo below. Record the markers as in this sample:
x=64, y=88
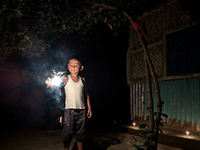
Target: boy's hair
x=75, y=59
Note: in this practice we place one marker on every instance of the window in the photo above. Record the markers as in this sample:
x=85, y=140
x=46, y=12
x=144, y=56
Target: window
x=184, y=51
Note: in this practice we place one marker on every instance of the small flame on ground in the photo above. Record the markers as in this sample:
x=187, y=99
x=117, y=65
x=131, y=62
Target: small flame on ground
x=187, y=132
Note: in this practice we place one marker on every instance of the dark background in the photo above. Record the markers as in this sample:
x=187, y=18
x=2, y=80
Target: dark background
x=26, y=101
x=183, y=51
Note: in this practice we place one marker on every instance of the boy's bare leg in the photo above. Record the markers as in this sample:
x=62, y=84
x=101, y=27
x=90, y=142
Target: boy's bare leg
x=66, y=146
x=80, y=145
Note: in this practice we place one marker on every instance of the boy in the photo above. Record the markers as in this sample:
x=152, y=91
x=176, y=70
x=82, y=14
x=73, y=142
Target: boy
x=75, y=107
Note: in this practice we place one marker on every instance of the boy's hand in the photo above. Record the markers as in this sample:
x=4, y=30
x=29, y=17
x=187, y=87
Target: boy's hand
x=89, y=113
x=47, y=81
x=64, y=79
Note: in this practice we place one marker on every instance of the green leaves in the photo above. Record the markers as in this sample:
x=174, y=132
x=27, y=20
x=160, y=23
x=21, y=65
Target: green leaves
x=166, y=116
x=143, y=126
x=161, y=131
x=143, y=133
x=49, y=19
x=18, y=12
x=147, y=118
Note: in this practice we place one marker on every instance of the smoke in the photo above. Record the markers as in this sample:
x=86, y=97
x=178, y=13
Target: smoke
x=40, y=104
x=53, y=103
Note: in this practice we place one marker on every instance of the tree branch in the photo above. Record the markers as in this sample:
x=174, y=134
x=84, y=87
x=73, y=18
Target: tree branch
x=75, y=14
x=130, y=19
x=20, y=4
x=103, y=6
x=130, y=4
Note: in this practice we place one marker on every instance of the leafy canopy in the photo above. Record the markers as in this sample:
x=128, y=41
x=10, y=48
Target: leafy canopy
x=30, y=26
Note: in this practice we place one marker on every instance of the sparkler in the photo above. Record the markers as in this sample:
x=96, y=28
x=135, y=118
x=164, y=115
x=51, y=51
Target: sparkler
x=55, y=78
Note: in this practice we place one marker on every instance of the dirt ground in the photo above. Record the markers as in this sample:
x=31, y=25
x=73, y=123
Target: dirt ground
x=40, y=139
x=36, y=139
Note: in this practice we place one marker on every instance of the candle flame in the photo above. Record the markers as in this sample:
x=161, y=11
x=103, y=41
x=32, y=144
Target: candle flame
x=187, y=132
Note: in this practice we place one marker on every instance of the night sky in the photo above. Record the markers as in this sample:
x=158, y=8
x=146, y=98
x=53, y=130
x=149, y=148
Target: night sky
x=26, y=101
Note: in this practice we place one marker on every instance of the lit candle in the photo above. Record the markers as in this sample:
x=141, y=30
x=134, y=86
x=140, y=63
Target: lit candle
x=187, y=132
x=134, y=124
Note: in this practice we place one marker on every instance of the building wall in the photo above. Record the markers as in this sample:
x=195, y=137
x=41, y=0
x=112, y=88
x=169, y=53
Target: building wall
x=180, y=93
x=181, y=101
x=160, y=22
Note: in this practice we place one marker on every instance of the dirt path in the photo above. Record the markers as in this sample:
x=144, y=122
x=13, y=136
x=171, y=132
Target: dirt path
x=35, y=139
x=26, y=139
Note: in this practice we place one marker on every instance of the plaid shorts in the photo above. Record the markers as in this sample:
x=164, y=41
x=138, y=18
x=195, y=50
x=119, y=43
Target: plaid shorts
x=74, y=124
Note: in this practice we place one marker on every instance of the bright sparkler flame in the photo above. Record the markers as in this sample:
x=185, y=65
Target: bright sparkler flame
x=56, y=80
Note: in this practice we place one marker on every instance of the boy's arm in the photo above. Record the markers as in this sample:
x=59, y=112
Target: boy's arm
x=89, y=112
x=64, y=79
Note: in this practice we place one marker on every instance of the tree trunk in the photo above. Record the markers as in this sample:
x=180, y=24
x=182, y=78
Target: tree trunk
x=156, y=84
x=150, y=99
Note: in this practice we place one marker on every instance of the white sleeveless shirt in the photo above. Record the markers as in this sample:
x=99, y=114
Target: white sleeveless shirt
x=74, y=94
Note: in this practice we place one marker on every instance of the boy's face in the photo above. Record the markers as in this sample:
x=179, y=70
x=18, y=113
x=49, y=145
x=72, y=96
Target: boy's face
x=74, y=66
